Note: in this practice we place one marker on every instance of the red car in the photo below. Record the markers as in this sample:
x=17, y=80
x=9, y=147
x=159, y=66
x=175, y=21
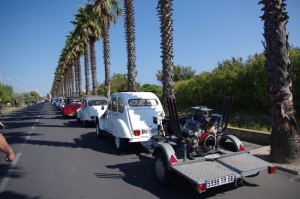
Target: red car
x=71, y=106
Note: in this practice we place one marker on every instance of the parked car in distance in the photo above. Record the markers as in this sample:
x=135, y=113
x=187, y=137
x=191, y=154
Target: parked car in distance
x=61, y=103
x=71, y=106
x=129, y=117
x=93, y=106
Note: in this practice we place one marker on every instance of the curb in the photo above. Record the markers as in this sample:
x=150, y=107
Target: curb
x=291, y=171
x=259, y=137
x=265, y=151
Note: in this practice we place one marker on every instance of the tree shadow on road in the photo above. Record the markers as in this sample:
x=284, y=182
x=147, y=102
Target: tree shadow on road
x=14, y=195
x=15, y=172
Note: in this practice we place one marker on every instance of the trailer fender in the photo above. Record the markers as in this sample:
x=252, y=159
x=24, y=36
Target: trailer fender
x=231, y=143
x=165, y=148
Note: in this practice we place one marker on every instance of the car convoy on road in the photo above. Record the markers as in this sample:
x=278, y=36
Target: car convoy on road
x=195, y=146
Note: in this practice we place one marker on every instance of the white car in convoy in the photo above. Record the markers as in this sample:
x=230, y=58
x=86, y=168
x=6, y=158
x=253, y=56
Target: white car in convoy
x=93, y=106
x=129, y=117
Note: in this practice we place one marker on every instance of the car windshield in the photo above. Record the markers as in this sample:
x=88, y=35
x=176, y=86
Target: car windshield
x=97, y=102
x=143, y=102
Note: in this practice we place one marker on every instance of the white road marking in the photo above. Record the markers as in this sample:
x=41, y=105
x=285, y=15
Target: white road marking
x=6, y=176
x=27, y=138
x=5, y=180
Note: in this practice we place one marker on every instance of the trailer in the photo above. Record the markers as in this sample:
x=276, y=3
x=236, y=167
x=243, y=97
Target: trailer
x=197, y=148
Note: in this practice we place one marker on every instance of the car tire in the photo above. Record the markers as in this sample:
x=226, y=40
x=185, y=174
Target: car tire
x=121, y=144
x=162, y=172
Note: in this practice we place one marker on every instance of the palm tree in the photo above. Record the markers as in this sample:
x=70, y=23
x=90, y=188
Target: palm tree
x=70, y=62
x=82, y=26
x=107, y=11
x=76, y=48
x=164, y=9
x=94, y=30
x=285, y=141
x=130, y=43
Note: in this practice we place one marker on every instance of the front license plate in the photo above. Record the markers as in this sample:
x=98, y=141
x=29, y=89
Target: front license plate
x=220, y=181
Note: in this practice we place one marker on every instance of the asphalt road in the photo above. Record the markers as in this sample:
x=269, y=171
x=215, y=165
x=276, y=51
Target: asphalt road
x=57, y=158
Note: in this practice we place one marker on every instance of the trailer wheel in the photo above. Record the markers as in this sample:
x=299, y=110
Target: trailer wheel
x=121, y=144
x=163, y=174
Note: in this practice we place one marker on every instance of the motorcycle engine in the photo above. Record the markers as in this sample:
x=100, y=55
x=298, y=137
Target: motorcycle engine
x=200, y=136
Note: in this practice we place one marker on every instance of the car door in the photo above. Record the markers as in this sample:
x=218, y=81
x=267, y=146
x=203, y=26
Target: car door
x=113, y=116
x=83, y=109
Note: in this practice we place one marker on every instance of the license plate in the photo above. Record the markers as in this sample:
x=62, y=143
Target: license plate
x=145, y=131
x=150, y=130
x=220, y=181
x=153, y=130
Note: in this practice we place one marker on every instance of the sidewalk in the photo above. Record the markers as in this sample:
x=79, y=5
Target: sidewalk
x=11, y=109
x=264, y=152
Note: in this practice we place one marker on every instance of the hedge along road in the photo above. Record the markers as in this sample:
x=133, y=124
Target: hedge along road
x=58, y=158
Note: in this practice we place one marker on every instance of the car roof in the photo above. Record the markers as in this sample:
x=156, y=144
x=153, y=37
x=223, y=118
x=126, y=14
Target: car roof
x=95, y=97
x=136, y=95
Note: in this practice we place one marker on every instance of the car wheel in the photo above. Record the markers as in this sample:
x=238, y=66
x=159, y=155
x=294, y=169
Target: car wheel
x=121, y=144
x=163, y=174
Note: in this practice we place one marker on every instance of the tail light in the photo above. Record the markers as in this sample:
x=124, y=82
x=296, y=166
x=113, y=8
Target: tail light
x=271, y=169
x=201, y=188
x=137, y=132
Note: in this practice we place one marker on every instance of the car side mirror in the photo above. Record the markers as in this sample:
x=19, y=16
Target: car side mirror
x=102, y=107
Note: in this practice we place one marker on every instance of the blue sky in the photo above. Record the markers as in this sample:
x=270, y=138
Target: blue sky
x=33, y=33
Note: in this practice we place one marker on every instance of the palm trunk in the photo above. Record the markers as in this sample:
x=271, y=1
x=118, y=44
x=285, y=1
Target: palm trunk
x=106, y=54
x=130, y=41
x=166, y=28
x=86, y=69
x=79, y=83
x=71, y=79
x=285, y=141
x=93, y=65
x=65, y=85
x=76, y=77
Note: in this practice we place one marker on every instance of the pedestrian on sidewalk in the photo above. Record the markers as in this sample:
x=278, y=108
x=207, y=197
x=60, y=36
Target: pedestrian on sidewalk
x=16, y=103
x=5, y=147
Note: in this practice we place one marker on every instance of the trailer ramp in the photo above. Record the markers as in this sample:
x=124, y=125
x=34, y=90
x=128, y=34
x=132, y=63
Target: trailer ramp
x=220, y=171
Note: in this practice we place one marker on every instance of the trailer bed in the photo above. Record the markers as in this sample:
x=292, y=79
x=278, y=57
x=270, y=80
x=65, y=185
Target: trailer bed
x=239, y=166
